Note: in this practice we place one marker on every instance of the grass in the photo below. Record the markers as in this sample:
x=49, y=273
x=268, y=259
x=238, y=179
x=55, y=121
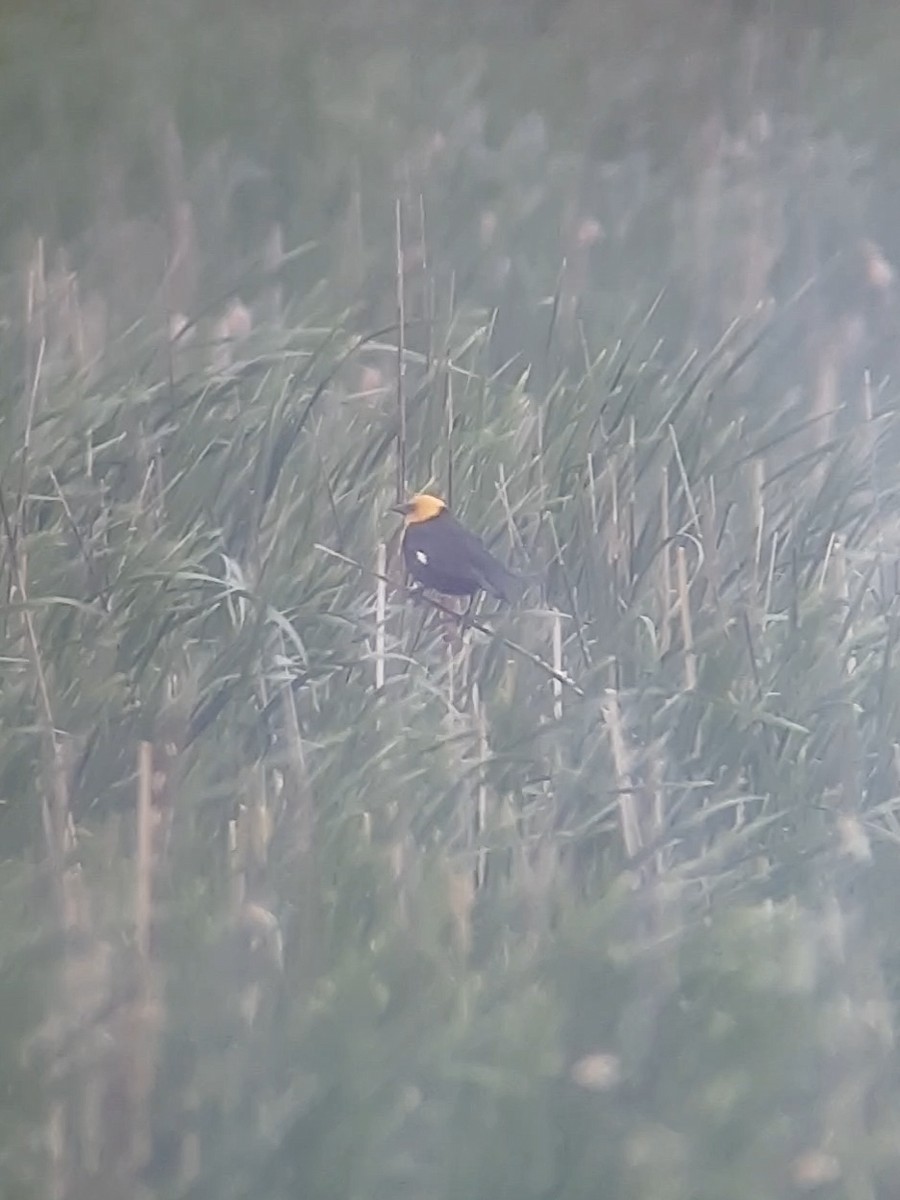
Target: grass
x=374, y=894
x=303, y=895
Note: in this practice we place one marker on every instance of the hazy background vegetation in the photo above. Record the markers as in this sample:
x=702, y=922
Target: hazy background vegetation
x=303, y=893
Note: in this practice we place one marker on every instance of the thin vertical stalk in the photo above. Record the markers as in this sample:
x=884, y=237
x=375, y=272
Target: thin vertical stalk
x=687, y=630
x=144, y=849
x=427, y=289
x=380, y=611
x=480, y=814
x=401, y=359
x=665, y=637
x=628, y=814
x=450, y=422
x=555, y=682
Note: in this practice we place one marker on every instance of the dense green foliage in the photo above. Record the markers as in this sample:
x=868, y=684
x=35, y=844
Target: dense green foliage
x=304, y=892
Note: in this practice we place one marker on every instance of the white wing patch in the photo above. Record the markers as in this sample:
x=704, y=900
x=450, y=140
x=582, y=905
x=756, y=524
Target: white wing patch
x=422, y=557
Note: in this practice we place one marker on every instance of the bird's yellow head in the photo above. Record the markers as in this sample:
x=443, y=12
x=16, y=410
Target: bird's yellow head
x=420, y=508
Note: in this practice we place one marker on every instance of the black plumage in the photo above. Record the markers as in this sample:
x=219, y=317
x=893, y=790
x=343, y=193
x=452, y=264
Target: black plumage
x=441, y=554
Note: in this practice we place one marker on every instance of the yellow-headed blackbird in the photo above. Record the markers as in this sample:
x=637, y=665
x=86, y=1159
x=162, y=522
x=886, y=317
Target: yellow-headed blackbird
x=442, y=555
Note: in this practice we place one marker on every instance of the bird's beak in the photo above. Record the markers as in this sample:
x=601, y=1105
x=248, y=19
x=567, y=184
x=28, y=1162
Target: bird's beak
x=400, y=509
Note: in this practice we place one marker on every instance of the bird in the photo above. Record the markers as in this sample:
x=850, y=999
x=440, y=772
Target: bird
x=444, y=556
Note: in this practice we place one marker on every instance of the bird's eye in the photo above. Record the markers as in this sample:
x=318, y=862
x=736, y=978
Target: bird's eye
x=422, y=557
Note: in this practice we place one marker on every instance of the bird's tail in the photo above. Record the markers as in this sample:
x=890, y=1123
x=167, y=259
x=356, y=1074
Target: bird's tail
x=510, y=586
